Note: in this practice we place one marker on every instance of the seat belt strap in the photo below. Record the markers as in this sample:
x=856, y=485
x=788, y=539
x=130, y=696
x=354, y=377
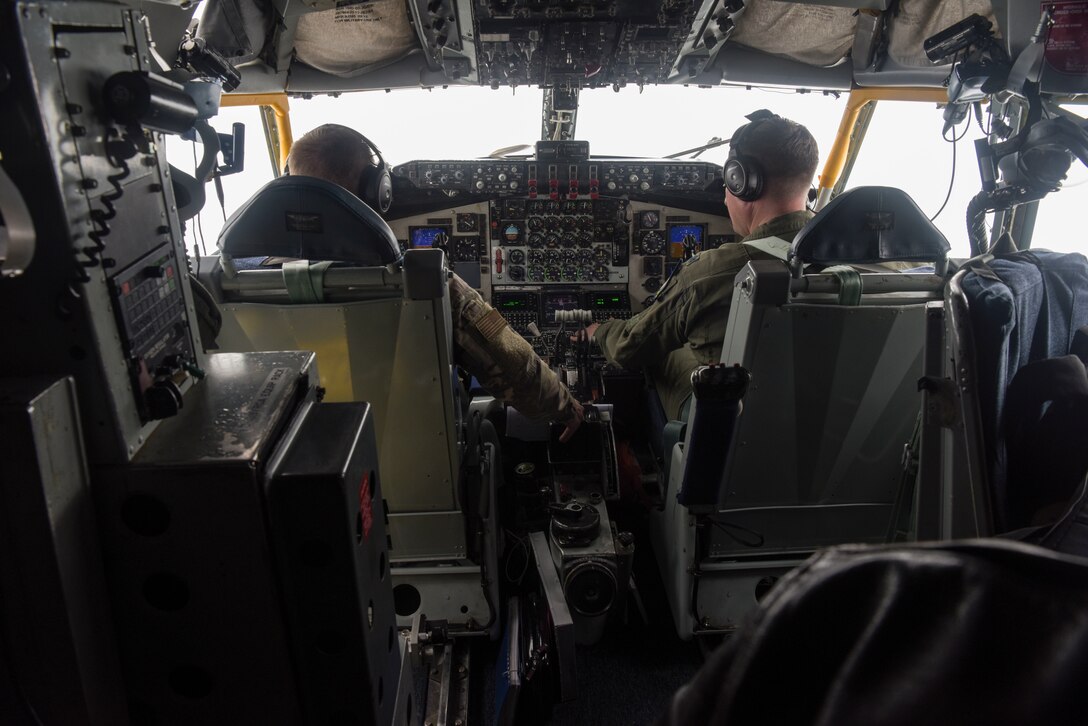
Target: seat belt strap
x=849, y=284
x=305, y=283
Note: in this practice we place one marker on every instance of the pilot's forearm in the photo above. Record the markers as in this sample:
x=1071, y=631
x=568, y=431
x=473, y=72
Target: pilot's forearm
x=502, y=361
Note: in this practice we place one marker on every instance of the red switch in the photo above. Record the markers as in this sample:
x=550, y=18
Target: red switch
x=498, y=261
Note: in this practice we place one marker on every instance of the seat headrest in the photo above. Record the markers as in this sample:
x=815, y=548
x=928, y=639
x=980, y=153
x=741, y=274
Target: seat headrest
x=310, y=219
x=870, y=224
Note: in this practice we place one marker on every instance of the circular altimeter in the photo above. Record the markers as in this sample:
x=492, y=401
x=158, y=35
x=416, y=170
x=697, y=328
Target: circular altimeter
x=467, y=250
x=536, y=240
x=653, y=243
x=590, y=586
x=517, y=257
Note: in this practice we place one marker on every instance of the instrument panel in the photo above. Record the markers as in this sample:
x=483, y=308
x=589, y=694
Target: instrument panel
x=536, y=236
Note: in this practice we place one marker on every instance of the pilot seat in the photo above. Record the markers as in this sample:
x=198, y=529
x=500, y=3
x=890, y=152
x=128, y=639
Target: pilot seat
x=808, y=413
x=324, y=272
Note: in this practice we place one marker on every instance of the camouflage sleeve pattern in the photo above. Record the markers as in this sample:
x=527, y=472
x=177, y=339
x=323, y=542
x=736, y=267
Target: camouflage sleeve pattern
x=501, y=360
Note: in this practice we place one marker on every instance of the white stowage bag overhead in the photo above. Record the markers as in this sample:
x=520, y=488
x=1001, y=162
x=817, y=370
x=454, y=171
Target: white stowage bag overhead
x=820, y=35
x=355, y=37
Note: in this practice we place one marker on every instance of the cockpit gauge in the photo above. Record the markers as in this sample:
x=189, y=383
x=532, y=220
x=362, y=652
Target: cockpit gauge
x=536, y=206
x=551, y=257
x=536, y=240
x=585, y=206
x=570, y=257
x=584, y=239
x=468, y=222
x=570, y=207
x=653, y=243
x=536, y=257
x=467, y=249
x=585, y=257
x=516, y=273
x=570, y=272
x=553, y=274
x=536, y=224
x=551, y=240
x=536, y=273
x=600, y=273
x=512, y=233
x=551, y=207
x=569, y=223
x=650, y=284
x=585, y=273
x=602, y=255
x=649, y=219
x=517, y=257
x=552, y=224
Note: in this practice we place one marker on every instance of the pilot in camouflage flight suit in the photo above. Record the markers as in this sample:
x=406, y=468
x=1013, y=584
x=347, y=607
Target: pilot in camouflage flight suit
x=771, y=164
x=484, y=344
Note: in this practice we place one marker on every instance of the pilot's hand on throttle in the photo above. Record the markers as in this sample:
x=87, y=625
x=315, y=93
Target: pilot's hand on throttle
x=585, y=333
x=574, y=422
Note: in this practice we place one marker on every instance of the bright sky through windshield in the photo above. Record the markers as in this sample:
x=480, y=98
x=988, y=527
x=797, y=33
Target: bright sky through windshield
x=903, y=148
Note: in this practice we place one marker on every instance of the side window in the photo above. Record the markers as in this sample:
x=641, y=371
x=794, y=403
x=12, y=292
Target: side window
x=903, y=148
x=202, y=231
x=1059, y=225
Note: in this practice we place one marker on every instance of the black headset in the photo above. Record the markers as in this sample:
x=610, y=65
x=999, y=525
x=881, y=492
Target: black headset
x=375, y=185
x=743, y=174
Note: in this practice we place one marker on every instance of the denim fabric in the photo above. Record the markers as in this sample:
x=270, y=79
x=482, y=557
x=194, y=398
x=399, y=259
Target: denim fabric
x=1023, y=307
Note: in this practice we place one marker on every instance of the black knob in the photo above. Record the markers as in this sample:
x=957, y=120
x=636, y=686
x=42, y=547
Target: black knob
x=163, y=399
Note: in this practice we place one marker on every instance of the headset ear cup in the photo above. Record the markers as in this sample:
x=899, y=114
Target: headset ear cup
x=743, y=179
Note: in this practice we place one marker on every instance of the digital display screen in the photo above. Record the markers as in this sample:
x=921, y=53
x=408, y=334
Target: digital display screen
x=424, y=237
x=559, y=301
x=514, y=302
x=607, y=301
x=677, y=233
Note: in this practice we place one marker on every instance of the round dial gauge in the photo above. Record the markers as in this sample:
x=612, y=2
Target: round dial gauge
x=650, y=284
x=585, y=257
x=649, y=219
x=536, y=257
x=512, y=233
x=536, y=273
x=517, y=257
x=569, y=223
x=653, y=243
x=570, y=272
x=552, y=224
x=585, y=273
x=600, y=272
x=551, y=240
x=536, y=240
x=536, y=224
x=516, y=273
x=467, y=223
x=570, y=257
x=551, y=207
x=552, y=274
x=602, y=255
x=584, y=239
x=551, y=257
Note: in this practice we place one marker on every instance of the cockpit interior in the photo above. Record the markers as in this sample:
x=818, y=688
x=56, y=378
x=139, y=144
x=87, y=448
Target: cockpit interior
x=251, y=478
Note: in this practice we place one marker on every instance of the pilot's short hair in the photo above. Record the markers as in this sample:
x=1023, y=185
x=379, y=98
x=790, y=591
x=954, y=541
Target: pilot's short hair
x=786, y=152
x=330, y=152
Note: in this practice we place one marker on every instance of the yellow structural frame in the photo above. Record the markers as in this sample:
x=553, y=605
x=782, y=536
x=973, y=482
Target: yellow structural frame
x=855, y=102
x=280, y=106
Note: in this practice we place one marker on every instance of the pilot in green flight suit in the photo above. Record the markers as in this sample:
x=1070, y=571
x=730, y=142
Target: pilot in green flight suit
x=484, y=344
x=767, y=176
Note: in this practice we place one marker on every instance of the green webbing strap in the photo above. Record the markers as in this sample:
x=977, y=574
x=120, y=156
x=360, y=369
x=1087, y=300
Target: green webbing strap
x=849, y=284
x=305, y=283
